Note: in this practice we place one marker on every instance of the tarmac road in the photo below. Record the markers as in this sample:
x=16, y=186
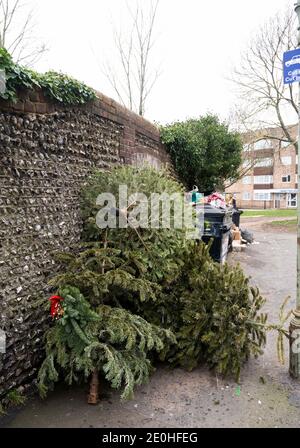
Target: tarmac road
x=266, y=397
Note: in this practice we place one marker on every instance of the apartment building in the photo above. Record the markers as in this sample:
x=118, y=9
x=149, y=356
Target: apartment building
x=269, y=172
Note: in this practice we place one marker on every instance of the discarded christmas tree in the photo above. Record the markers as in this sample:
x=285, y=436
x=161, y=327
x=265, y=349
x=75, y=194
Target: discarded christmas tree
x=130, y=292
x=220, y=323
x=111, y=340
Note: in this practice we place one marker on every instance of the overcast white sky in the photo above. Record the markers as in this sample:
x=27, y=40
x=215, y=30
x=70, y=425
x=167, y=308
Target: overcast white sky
x=198, y=42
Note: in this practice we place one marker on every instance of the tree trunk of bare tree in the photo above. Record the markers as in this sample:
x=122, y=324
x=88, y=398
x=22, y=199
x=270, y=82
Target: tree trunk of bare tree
x=134, y=80
x=17, y=36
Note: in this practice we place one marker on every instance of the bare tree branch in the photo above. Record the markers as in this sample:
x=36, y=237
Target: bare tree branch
x=17, y=32
x=259, y=77
x=134, y=80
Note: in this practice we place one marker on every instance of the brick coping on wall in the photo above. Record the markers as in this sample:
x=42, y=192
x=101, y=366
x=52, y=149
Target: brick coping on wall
x=35, y=101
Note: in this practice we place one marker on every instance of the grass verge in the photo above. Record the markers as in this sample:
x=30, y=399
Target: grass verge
x=270, y=213
x=291, y=223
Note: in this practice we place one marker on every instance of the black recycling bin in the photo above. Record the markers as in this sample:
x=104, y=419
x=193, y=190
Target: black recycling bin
x=217, y=225
x=236, y=216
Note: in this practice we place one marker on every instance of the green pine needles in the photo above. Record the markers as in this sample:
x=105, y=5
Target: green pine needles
x=112, y=340
x=134, y=295
x=220, y=320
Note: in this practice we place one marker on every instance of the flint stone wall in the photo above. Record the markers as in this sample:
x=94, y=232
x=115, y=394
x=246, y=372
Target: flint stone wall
x=46, y=152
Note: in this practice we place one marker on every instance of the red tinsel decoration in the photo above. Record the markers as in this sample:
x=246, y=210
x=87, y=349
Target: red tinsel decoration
x=56, y=308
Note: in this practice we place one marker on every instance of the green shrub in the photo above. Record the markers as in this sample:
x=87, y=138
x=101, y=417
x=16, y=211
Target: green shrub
x=204, y=151
x=15, y=398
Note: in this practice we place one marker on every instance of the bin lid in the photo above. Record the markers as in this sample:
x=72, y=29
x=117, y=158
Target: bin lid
x=236, y=211
x=217, y=212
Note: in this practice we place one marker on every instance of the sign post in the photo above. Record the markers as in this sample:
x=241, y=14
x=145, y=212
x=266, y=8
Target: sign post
x=291, y=66
x=291, y=74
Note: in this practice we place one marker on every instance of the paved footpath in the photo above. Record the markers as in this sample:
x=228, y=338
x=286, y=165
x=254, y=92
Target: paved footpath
x=266, y=397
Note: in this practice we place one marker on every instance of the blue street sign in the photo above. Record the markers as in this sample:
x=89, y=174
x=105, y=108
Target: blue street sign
x=291, y=66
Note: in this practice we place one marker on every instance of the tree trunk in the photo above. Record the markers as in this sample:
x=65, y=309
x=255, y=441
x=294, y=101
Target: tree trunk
x=93, y=396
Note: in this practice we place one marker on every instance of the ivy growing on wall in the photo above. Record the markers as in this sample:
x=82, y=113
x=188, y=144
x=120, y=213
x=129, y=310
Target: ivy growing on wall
x=57, y=86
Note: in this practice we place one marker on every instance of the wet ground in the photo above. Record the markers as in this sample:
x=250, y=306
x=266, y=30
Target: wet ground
x=266, y=397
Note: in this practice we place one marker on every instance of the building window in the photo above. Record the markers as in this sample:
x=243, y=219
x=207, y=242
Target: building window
x=287, y=160
x=286, y=179
x=264, y=162
x=284, y=144
x=292, y=200
x=260, y=180
x=262, y=144
x=247, y=180
x=246, y=196
x=262, y=196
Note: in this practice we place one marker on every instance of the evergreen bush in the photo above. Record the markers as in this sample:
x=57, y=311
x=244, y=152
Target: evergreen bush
x=204, y=151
